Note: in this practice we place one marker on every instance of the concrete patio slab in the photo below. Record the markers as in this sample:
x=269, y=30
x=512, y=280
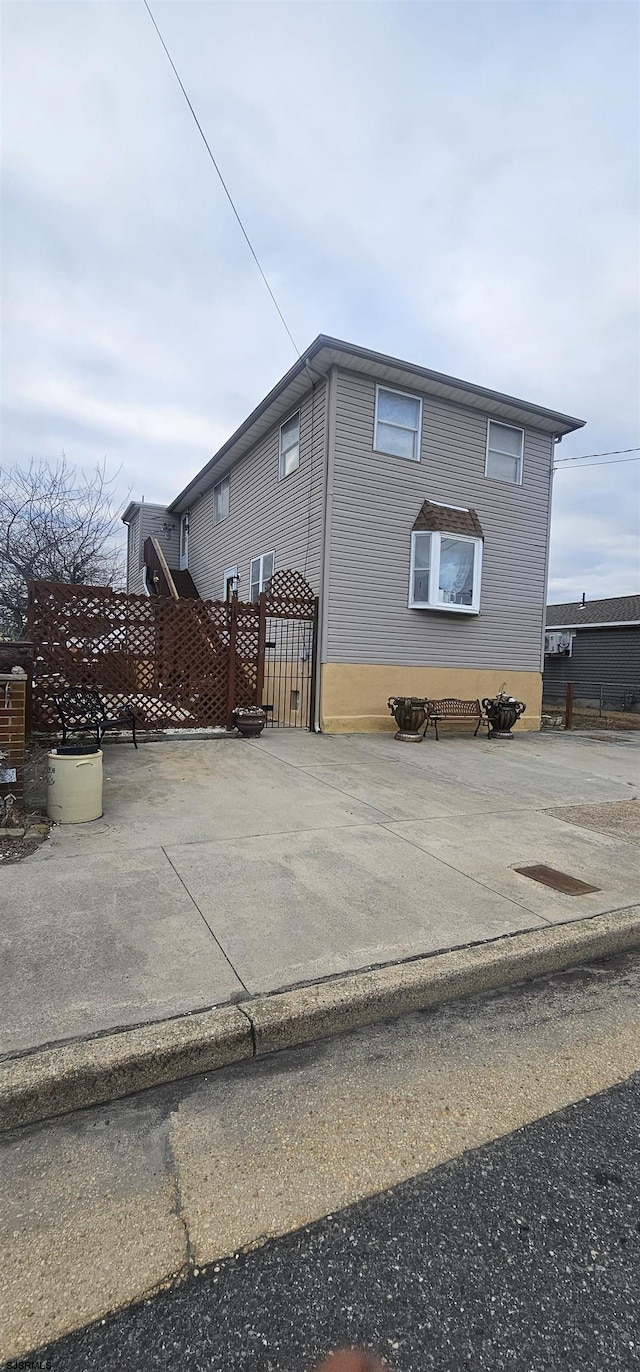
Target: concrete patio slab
x=488, y=849
x=297, y=857
x=298, y=907
x=191, y=792
x=92, y=945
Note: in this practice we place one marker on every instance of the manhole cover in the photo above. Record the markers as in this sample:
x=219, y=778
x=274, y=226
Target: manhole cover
x=558, y=881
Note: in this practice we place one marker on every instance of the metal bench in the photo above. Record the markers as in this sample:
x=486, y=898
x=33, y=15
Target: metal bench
x=82, y=711
x=437, y=710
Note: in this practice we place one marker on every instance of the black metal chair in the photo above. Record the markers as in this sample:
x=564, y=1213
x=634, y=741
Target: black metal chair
x=82, y=710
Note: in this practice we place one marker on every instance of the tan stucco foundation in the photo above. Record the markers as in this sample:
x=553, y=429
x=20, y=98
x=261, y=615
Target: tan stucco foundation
x=354, y=695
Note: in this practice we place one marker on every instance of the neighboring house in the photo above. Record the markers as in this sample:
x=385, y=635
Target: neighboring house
x=416, y=505
x=595, y=644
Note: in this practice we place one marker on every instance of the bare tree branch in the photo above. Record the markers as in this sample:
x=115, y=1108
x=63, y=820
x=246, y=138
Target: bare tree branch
x=56, y=524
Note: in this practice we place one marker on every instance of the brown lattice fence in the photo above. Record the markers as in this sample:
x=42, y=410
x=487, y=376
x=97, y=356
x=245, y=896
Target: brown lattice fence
x=171, y=660
x=181, y=664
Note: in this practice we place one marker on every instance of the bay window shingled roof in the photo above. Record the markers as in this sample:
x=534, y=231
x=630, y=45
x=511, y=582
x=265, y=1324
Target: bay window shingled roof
x=447, y=519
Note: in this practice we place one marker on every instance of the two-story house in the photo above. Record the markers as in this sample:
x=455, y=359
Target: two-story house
x=416, y=505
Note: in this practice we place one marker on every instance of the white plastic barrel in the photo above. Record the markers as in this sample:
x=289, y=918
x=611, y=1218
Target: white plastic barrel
x=74, y=790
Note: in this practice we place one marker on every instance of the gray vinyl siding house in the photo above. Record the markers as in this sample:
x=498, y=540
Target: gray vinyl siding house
x=595, y=645
x=345, y=517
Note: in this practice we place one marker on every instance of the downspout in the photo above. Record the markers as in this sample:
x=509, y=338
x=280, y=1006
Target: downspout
x=555, y=438
x=327, y=510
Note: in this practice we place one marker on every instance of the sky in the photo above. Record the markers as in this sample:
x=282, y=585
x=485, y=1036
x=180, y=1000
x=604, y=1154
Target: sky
x=452, y=183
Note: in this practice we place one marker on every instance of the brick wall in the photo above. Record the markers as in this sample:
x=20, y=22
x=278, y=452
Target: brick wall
x=12, y=732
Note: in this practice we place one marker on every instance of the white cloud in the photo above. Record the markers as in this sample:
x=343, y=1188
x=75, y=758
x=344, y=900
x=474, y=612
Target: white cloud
x=453, y=183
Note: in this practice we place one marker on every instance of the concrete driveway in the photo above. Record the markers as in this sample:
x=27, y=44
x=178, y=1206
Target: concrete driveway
x=224, y=868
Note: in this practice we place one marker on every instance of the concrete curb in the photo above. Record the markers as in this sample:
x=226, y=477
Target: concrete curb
x=55, y=1081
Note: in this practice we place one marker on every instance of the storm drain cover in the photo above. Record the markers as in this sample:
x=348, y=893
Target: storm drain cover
x=558, y=881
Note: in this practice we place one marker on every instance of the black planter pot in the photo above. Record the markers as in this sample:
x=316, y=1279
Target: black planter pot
x=249, y=722
x=410, y=714
x=502, y=711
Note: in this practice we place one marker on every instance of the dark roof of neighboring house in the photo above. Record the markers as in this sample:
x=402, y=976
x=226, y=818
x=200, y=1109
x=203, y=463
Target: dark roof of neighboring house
x=315, y=364
x=448, y=519
x=617, y=609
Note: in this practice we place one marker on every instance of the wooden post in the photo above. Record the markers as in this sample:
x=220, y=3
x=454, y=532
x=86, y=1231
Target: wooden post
x=231, y=679
x=568, y=708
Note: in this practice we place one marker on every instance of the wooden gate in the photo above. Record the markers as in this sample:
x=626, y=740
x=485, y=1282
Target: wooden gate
x=289, y=611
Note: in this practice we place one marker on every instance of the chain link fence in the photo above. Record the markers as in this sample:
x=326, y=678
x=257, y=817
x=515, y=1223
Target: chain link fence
x=581, y=704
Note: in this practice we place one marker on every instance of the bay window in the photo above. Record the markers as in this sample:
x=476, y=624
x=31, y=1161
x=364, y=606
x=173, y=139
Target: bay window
x=445, y=572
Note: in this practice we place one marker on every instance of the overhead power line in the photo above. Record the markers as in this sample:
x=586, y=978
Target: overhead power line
x=222, y=180
x=582, y=457
x=588, y=465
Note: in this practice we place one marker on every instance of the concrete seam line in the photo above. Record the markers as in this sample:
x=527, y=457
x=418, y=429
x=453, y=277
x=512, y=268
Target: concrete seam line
x=93, y=1072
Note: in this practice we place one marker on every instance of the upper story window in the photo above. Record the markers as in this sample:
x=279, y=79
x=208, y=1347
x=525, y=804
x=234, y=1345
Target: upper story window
x=221, y=500
x=505, y=447
x=260, y=574
x=290, y=446
x=398, y=424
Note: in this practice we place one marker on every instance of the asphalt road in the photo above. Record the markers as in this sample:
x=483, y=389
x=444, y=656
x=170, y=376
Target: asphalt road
x=521, y=1255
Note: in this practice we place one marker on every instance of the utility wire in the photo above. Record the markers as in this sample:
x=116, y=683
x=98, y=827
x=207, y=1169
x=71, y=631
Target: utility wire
x=613, y=452
x=222, y=180
x=587, y=465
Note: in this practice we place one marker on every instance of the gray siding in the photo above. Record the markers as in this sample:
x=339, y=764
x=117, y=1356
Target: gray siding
x=265, y=514
x=150, y=521
x=600, y=657
x=158, y=523
x=134, y=565
x=375, y=502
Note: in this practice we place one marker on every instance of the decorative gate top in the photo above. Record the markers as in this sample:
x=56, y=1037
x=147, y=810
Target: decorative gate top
x=290, y=596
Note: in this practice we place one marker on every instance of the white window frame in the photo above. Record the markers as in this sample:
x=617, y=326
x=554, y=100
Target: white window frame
x=260, y=557
x=409, y=395
x=184, y=540
x=217, y=487
x=434, y=573
x=229, y=574
x=281, y=459
x=491, y=447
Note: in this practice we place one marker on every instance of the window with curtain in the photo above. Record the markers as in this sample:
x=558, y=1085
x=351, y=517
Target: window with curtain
x=260, y=574
x=505, y=447
x=445, y=572
x=221, y=500
x=398, y=421
x=290, y=446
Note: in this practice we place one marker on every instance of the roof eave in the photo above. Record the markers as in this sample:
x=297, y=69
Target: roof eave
x=551, y=420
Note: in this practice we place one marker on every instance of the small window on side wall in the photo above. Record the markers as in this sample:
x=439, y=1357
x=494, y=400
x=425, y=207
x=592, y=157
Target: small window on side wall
x=260, y=574
x=505, y=446
x=398, y=423
x=290, y=446
x=221, y=500
x=446, y=571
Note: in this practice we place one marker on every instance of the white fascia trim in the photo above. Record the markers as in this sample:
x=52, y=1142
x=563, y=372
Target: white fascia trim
x=607, y=624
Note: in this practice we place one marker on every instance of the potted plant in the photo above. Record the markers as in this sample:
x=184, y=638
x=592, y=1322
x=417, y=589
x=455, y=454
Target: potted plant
x=410, y=714
x=502, y=711
x=249, y=720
